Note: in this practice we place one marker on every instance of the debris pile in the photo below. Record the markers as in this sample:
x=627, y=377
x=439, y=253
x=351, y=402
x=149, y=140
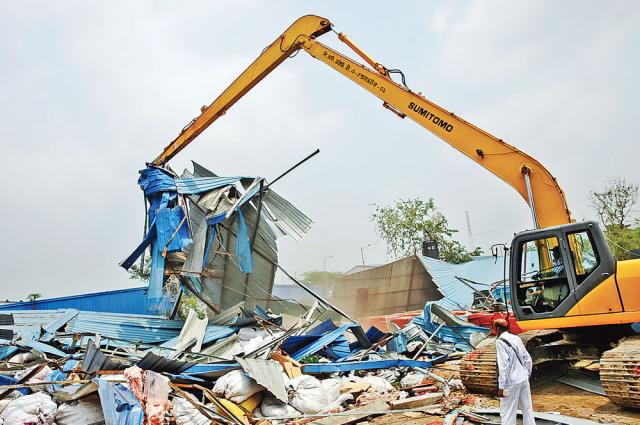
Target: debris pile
x=241, y=366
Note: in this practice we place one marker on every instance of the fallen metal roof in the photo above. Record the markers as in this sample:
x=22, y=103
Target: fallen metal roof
x=267, y=373
x=483, y=269
x=133, y=327
x=162, y=364
x=94, y=359
x=28, y=324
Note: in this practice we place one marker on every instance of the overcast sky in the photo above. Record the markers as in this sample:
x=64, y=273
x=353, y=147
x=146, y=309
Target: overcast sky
x=92, y=90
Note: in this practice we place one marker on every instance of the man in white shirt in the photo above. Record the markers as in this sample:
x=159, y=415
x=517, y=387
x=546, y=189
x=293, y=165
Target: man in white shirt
x=514, y=370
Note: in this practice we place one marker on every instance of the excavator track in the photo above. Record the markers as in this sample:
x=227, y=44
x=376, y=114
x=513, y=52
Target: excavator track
x=620, y=373
x=479, y=369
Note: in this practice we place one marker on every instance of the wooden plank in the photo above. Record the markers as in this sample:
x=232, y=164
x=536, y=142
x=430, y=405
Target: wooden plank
x=417, y=401
x=359, y=413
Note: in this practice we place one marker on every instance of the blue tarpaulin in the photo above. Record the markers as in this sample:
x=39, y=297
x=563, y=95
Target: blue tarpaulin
x=153, y=180
x=211, y=222
x=167, y=221
x=119, y=405
x=9, y=380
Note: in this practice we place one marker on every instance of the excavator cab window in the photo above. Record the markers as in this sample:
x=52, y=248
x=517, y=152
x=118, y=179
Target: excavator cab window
x=583, y=253
x=542, y=283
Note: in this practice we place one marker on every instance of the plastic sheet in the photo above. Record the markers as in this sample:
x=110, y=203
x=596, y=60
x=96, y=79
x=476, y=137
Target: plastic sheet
x=119, y=405
x=156, y=400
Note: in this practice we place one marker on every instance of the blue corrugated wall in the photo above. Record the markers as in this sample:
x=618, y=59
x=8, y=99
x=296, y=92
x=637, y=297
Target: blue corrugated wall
x=131, y=301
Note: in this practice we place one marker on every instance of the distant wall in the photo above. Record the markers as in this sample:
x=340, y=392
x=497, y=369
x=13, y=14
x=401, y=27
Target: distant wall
x=400, y=286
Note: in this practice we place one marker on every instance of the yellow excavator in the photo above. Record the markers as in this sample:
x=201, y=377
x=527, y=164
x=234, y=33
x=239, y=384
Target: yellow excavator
x=562, y=275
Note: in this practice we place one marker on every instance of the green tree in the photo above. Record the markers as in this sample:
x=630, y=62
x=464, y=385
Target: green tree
x=34, y=296
x=614, y=205
x=405, y=224
x=319, y=277
x=191, y=302
x=624, y=242
x=141, y=274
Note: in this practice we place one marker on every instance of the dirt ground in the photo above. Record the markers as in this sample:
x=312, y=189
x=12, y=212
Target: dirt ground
x=566, y=400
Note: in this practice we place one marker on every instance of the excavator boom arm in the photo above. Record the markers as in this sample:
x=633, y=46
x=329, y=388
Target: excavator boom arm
x=522, y=172
x=272, y=56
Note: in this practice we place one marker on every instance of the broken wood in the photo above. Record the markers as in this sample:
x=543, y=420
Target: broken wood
x=417, y=401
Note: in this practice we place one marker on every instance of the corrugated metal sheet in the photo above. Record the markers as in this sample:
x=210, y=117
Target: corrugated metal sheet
x=407, y=284
x=267, y=373
x=195, y=185
x=131, y=301
x=133, y=327
x=223, y=283
x=28, y=323
x=400, y=286
x=484, y=269
x=285, y=216
x=162, y=364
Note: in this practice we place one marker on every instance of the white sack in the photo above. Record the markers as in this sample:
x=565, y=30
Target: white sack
x=185, y=414
x=378, y=384
x=308, y=394
x=23, y=357
x=236, y=386
x=271, y=406
x=33, y=409
x=332, y=388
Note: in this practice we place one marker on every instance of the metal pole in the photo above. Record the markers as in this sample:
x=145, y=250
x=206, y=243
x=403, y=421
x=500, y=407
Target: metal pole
x=527, y=180
x=308, y=157
x=362, y=251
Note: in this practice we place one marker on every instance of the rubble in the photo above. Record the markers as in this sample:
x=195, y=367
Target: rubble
x=239, y=369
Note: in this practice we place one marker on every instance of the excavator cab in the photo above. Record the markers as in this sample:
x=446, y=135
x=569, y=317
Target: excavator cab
x=552, y=269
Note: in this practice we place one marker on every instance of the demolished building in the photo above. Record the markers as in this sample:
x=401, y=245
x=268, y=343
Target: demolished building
x=214, y=235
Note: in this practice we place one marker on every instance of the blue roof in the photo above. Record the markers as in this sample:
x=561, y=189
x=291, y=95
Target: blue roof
x=484, y=269
x=133, y=327
x=128, y=301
